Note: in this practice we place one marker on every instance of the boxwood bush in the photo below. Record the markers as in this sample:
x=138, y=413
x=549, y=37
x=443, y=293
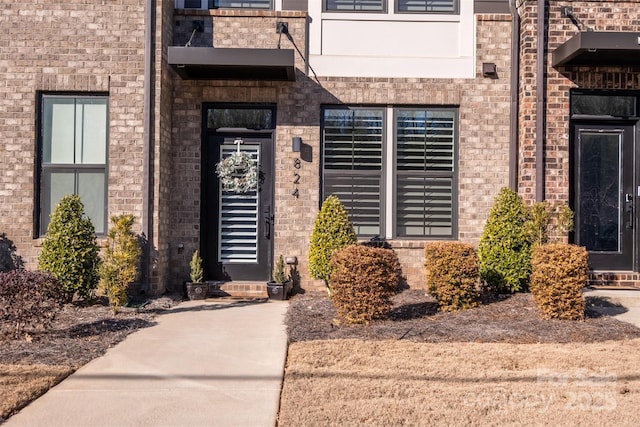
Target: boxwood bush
x=363, y=281
x=559, y=272
x=452, y=274
x=505, y=245
x=70, y=250
x=27, y=299
x=332, y=230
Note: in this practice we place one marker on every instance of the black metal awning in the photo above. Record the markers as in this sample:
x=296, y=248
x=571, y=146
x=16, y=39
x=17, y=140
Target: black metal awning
x=599, y=48
x=209, y=63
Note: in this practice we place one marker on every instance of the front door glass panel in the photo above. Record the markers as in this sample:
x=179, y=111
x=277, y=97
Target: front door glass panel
x=600, y=191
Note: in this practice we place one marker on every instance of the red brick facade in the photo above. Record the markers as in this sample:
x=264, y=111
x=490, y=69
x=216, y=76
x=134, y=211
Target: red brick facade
x=603, y=16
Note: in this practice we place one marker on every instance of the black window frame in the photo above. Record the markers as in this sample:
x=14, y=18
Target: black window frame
x=43, y=169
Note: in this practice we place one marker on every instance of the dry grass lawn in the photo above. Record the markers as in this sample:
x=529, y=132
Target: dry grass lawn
x=20, y=384
x=498, y=364
x=392, y=383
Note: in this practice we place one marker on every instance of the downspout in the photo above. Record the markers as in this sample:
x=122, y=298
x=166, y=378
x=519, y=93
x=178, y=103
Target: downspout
x=515, y=89
x=147, y=170
x=540, y=115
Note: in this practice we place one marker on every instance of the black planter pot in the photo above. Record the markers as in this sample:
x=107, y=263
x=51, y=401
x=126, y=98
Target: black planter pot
x=197, y=291
x=279, y=291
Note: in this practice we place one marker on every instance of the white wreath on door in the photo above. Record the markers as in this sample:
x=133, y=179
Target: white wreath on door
x=238, y=173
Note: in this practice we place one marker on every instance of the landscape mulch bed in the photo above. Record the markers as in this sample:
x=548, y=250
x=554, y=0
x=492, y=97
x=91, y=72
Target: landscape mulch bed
x=415, y=317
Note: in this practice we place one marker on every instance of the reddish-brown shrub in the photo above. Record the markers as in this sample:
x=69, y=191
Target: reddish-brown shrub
x=363, y=281
x=452, y=274
x=28, y=299
x=559, y=272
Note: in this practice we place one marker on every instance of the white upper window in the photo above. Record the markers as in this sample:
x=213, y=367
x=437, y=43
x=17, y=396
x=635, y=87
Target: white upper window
x=401, y=6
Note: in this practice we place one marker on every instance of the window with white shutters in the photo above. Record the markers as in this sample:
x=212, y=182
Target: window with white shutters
x=352, y=158
x=425, y=167
x=356, y=169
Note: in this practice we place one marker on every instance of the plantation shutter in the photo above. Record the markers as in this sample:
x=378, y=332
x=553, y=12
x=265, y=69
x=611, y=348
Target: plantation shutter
x=352, y=159
x=238, y=220
x=425, y=167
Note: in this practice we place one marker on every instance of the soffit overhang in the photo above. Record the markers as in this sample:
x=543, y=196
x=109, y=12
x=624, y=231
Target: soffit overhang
x=213, y=63
x=595, y=48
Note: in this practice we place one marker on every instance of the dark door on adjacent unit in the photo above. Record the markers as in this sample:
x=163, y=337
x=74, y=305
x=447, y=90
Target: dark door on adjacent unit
x=605, y=194
x=237, y=225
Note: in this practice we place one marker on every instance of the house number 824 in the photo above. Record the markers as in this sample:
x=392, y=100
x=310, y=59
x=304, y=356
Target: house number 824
x=297, y=164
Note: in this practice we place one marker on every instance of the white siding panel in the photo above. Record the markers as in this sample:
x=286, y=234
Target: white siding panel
x=391, y=39
x=354, y=66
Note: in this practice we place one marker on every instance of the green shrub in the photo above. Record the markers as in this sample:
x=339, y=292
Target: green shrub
x=120, y=264
x=505, y=246
x=541, y=216
x=279, y=275
x=559, y=272
x=363, y=281
x=197, y=273
x=69, y=249
x=555, y=219
x=332, y=230
x=28, y=299
x=452, y=274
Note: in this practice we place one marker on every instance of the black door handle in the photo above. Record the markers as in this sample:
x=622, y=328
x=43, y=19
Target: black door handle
x=266, y=214
x=629, y=208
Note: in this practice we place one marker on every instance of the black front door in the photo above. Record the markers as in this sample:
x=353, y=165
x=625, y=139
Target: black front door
x=604, y=196
x=237, y=225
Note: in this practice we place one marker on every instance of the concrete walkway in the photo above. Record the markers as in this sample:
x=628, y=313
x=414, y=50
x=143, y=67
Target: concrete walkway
x=203, y=364
x=623, y=305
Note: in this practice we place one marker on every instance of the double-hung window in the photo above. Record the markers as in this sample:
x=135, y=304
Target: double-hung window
x=73, y=155
x=394, y=169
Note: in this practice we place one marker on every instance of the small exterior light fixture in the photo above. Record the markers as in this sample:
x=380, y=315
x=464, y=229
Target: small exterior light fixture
x=291, y=260
x=489, y=69
x=296, y=144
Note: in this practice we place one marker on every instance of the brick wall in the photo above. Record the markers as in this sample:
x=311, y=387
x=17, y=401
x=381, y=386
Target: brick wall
x=598, y=15
x=70, y=46
x=483, y=141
